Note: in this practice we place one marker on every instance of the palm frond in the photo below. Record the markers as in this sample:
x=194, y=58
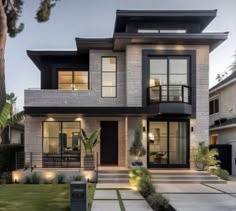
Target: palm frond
x=16, y=118
x=5, y=114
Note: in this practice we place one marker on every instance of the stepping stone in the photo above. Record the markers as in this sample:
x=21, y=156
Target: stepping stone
x=136, y=205
x=229, y=187
x=105, y=205
x=130, y=194
x=113, y=186
x=105, y=194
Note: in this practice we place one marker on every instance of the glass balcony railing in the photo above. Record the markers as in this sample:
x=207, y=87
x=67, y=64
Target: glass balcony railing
x=169, y=93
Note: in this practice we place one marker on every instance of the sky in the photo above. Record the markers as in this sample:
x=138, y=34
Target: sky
x=96, y=18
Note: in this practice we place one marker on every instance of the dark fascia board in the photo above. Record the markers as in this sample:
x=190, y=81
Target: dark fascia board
x=35, y=55
x=211, y=39
x=204, y=17
x=84, y=44
x=96, y=111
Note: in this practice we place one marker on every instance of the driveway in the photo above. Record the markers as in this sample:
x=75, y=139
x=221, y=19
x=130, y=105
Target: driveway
x=203, y=197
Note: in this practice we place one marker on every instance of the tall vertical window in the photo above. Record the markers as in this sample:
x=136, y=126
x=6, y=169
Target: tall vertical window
x=214, y=106
x=73, y=80
x=109, y=82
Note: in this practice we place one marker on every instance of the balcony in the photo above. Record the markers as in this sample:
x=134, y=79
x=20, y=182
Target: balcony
x=171, y=99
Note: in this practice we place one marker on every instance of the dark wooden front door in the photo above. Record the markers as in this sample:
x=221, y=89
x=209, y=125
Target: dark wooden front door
x=109, y=143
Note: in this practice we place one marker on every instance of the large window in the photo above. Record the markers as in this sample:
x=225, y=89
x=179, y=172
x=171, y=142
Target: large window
x=214, y=106
x=73, y=80
x=109, y=82
x=169, y=78
x=61, y=138
x=168, y=143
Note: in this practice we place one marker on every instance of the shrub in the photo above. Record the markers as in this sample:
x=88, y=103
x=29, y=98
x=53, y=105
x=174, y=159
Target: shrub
x=6, y=178
x=158, y=202
x=146, y=187
x=222, y=173
x=136, y=174
x=35, y=178
x=27, y=180
x=60, y=178
x=77, y=178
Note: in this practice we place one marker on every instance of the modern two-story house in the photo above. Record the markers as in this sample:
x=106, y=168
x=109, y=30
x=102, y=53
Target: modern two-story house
x=153, y=72
x=222, y=104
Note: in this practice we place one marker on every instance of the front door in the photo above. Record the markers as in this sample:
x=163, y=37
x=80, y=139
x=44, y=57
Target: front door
x=109, y=143
x=168, y=144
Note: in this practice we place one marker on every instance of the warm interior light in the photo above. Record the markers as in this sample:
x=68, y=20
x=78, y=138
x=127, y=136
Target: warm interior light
x=78, y=119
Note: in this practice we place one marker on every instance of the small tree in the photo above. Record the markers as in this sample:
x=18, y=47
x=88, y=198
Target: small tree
x=204, y=157
x=137, y=149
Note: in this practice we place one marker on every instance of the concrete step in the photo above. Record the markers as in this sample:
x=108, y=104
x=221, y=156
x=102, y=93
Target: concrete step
x=112, y=180
x=113, y=176
x=184, y=177
x=113, y=171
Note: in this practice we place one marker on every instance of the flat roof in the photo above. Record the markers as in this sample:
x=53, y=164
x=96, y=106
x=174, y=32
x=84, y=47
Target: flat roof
x=203, y=17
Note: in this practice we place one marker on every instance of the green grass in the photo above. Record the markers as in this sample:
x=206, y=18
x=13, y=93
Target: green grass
x=37, y=197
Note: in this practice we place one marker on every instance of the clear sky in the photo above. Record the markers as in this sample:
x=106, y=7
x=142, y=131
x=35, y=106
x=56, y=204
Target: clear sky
x=95, y=18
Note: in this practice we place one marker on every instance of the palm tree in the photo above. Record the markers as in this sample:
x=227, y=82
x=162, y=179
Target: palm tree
x=9, y=118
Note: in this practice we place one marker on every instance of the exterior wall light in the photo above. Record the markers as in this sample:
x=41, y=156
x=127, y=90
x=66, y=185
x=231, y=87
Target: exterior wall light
x=192, y=129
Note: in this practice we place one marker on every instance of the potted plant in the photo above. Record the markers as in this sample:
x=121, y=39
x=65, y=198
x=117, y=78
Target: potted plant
x=89, y=143
x=137, y=149
x=203, y=157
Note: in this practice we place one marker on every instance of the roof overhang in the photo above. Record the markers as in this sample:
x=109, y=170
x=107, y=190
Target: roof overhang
x=211, y=39
x=202, y=17
x=84, y=44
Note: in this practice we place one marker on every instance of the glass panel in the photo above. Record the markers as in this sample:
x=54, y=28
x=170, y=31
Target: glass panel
x=157, y=142
x=164, y=93
x=65, y=86
x=158, y=66
x=177, y=142
x=156, y=80
x=154, y=93
x=51, y=131
x=178, y=66
x=65, y=77
x=80, y=77
x=108, y=79
x=108, y=91
x=70, y=137
x=109, y=64
x=175, y=93
x=178, y=79
x=186, y=94
x=81, y=86
x=172, y=30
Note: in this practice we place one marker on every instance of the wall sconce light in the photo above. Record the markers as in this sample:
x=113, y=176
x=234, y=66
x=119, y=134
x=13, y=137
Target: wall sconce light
x=192, y=129
x=144, y=128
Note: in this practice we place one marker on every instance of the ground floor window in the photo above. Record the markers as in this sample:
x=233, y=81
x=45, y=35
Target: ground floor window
x=168, y=143
x=61, y=143
x=214, y=138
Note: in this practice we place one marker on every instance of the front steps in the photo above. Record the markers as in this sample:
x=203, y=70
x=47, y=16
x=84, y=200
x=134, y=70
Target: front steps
x=161, y=176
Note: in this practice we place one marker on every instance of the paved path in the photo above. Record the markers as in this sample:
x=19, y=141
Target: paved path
x=118, y=200
x=204, y=197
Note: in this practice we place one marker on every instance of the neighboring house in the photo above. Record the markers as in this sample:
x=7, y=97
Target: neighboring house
x=223, y=114
x=153, y=72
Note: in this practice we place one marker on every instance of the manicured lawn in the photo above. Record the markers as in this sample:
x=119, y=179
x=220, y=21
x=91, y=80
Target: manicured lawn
x=37, y=197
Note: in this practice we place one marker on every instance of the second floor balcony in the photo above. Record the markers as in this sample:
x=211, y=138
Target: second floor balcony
x=169, y=94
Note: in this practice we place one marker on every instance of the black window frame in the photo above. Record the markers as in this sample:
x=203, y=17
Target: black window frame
x=73, y=70
x=109, y=72
x=214, y=106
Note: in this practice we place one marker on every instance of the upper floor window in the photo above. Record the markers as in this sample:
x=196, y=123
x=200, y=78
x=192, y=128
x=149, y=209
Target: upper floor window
x=214, y=106
x=168, y=71
x=167, y=31
x=73, y=80
x=109, y=81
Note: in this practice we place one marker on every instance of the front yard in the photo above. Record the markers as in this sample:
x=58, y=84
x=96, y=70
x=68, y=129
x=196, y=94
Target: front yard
x=22, y=197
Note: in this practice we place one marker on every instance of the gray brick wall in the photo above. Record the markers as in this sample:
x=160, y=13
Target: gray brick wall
x=91, y=97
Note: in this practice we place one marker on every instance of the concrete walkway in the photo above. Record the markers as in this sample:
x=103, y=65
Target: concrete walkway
x=119, y=200
x=204, y=197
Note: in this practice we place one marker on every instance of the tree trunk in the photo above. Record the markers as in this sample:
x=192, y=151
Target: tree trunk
x=3, y=38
